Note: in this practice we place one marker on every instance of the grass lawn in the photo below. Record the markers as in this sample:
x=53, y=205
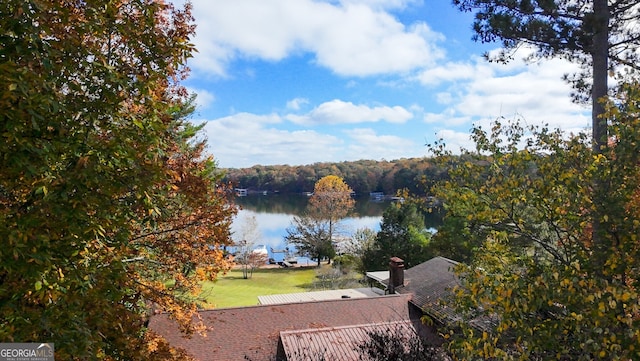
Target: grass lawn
x=232, y=290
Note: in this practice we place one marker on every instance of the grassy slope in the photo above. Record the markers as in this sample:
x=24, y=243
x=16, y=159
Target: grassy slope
x=232, y=290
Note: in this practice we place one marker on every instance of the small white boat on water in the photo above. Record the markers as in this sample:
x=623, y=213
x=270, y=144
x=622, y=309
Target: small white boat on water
x=261, y=248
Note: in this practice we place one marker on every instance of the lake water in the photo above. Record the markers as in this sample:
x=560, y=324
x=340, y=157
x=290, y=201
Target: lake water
x=274, y=214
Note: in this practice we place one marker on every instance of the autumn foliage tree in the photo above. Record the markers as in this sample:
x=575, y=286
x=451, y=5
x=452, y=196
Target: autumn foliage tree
x=538, y=286
x=314, y=232
x=331, y=201
x=331, y=198
x=109, y=208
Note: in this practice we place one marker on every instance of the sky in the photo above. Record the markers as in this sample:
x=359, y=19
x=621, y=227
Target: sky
x=298, y=82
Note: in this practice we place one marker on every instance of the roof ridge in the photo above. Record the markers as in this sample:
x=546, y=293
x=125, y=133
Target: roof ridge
x=360, y=299
x=332, y=328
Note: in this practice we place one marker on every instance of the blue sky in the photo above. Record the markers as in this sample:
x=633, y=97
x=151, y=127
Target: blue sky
x=300, y=81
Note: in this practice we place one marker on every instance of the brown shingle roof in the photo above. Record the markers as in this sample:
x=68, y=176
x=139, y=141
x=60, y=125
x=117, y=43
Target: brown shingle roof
x=234, y=333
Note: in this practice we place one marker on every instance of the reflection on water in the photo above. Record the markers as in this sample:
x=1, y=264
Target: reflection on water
x=274, y=213
x=277, y=203
x=296, y=204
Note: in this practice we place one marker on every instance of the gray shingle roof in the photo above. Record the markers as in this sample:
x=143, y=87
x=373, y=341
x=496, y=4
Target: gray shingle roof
x=430, y=284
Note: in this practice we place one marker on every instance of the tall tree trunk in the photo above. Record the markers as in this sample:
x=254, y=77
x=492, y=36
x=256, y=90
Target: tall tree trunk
x=600, y=57
x=330, y=239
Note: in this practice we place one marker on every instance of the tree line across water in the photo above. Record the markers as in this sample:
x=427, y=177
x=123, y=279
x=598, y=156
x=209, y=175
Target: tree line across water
x=363, y=176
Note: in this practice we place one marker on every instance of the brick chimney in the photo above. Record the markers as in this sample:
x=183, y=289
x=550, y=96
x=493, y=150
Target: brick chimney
x=396, y=274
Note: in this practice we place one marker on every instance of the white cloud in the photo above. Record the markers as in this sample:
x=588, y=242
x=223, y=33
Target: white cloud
x=448, y=118
x=359, y=41
x=204, y=97
x=453, y=71
x=247, y=121
x=454, y=140
x=536, y=92
x=532, y=93
x=244, y=140
x=341, y=112
x=362, y=38
x=350, y=38
x=365, y=143
x=383, y=4
x=297, y=103
x=480, y=91
x=444, y=98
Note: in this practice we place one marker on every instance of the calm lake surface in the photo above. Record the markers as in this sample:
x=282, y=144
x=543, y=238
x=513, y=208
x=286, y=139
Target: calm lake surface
x=274, y=214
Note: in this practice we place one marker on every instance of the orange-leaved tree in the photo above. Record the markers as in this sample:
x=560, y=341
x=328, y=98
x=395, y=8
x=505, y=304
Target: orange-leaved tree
x=108, y=206
x=313, y=232
x=331, y=201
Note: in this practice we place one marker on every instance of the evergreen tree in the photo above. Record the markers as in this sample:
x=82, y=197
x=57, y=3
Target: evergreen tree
x=600, y=35
x=402, y=234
